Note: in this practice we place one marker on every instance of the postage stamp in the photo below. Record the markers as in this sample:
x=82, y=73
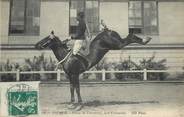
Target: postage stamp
x=22, y=100
x=120, y=58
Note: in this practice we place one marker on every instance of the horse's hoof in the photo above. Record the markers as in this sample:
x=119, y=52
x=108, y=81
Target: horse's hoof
x=146, y=40
x=79, y=107
x=71, y=106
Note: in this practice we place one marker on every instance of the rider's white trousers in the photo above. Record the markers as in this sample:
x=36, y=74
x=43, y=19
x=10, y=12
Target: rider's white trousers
x=77, y=46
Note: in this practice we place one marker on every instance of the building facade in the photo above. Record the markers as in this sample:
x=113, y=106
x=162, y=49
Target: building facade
x=25, y=22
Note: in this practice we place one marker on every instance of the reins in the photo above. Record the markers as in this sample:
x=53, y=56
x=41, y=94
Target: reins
x=57, y=64
x=88, y=31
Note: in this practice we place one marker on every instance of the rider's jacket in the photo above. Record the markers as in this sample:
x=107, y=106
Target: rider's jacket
x=81, y=28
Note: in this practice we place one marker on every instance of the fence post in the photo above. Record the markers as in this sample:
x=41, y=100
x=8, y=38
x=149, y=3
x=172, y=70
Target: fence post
x=18, y=75
x=58, y=75
x=103, y=74
x=145, y=74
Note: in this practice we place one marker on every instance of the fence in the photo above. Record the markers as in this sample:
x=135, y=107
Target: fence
x=103, y=72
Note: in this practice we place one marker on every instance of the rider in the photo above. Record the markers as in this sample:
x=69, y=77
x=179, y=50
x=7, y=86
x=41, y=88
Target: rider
x=80, y=33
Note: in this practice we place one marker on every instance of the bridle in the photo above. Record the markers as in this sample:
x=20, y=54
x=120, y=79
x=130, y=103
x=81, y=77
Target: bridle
x=42, y=46
x=60, y=62
x=48, y=41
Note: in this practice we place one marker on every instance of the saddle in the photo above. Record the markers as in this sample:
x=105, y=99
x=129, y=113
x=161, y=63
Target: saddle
x=83, y=59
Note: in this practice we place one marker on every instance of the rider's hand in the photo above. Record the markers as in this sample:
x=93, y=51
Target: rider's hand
x=69, y=38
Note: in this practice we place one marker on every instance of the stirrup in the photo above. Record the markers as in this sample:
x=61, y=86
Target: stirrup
x=69, y=49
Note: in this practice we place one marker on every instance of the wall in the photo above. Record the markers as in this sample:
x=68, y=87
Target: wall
x=175, y=58
x=115, y=16
x=0, y=19
x=18, y=56
x=171, y=22
x=54, y=16
x=4, y=23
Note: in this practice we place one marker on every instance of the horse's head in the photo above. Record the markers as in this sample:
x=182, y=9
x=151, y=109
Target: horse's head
x=50, y=41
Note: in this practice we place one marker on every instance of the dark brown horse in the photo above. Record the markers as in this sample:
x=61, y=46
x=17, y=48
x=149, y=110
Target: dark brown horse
x=74, y=65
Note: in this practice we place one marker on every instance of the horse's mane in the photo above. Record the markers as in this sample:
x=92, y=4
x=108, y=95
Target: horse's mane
x=60, y=42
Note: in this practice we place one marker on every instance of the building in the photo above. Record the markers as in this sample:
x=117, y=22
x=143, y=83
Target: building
x=24, y=22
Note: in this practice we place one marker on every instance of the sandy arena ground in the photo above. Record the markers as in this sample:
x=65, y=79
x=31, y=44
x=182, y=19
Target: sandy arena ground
x=119, y=100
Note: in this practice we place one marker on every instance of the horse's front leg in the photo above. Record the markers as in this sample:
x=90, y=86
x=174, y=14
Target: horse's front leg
x=71, y=105
x=72, y=93
x=77, y=87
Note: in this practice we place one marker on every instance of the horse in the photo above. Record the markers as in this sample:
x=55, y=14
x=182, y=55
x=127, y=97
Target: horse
x=74, y=65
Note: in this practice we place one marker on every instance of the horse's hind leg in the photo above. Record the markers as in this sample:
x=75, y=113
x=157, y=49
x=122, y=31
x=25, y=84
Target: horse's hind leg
x=135, y=39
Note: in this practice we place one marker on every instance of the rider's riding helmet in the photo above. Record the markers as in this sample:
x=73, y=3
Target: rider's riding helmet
x=81, y=14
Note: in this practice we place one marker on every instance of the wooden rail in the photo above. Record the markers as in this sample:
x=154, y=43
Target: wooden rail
x=103, y=72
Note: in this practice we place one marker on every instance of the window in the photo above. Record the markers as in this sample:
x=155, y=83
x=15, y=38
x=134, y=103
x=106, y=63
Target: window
x=75, y=7
x=143, y=18
x=92, y=15
x=91, y=10
x=24, y=17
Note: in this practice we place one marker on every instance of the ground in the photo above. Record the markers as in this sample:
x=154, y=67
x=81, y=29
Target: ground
x=121, y=100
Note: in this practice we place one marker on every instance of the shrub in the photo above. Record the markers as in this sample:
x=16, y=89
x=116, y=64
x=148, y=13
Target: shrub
x=127, y=65
x=8, y=67
x=180, y=76
x=39, y=63
x=100, y=66
x=151, y=64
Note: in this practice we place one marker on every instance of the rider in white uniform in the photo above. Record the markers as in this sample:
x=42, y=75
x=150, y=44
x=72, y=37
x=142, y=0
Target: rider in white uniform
x=80, y=34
